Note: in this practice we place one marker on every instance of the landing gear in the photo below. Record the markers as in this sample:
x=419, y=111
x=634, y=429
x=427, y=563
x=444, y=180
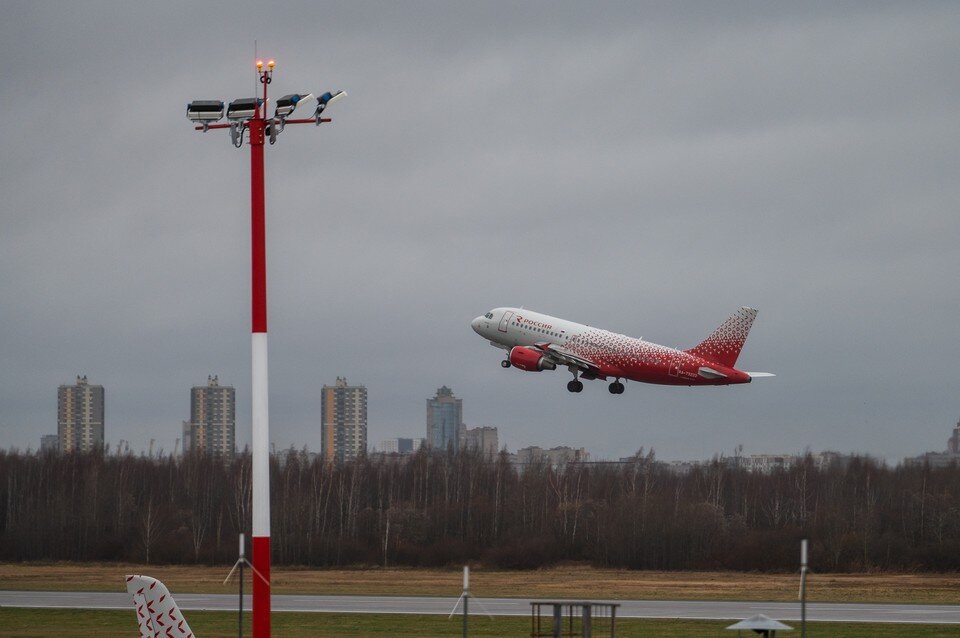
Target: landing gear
x=616, y=387
x=575, y=386
x=505, y=363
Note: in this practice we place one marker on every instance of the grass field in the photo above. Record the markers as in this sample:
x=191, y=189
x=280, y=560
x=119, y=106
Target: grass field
x=56, y=623
x=565, y=582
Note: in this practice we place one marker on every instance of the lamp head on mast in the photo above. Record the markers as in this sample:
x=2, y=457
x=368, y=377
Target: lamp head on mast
x=288, y=104
x=206, y=113
x=243, y=109
x=326, y=100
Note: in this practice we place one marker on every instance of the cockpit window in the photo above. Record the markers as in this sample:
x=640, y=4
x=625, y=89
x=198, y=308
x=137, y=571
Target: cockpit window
x=489, y=315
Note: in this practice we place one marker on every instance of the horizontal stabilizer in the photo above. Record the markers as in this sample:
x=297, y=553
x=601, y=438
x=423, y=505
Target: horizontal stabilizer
x=710, y=373
x=758, y=375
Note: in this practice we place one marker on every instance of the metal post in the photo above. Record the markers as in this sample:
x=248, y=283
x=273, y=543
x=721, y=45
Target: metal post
x=259, y=386
x=586, y=628
x=803, y=588
x=557, y=620
x=240, y=606
x=466, y=597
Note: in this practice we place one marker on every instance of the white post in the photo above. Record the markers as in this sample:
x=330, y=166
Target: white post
x=466, y=597
x=240, y=562
x=803, y=588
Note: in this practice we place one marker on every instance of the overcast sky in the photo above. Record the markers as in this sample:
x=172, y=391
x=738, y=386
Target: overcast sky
x=646, y=168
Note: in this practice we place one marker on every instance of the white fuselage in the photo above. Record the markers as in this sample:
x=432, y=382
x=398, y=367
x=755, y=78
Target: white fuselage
x=509, y=327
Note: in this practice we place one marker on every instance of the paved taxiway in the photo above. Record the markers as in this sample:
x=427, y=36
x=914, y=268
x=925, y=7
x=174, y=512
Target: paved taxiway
x=704, y=610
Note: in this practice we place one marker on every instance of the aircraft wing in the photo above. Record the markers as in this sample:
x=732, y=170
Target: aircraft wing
x=567, y=358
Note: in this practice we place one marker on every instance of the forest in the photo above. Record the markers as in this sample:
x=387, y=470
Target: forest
x=436, y=509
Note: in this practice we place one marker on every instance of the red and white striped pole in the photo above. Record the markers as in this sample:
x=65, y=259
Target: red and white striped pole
x=200, y=113
x=259, y=385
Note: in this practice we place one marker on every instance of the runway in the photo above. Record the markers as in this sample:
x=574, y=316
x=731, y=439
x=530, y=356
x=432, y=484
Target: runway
x=702, y=610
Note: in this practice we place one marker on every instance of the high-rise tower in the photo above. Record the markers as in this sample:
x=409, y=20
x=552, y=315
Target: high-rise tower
x=444, y=420
x=212, y=425
x=80, y=416
x=343, y=421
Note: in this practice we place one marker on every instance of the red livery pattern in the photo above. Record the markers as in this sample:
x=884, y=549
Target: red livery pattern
x=619, y=356
x=724, y=345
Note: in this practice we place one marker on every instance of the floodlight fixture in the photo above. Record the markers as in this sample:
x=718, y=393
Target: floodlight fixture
x=325, y=100
x=288, y=104
x=201, y=111
x=243, y=109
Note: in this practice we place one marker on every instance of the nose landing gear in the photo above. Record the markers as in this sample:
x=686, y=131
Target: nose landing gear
x=575, y=386
x=505, y=363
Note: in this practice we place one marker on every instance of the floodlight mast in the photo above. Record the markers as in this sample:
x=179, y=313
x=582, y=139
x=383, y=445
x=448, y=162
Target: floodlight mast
x=256, y=126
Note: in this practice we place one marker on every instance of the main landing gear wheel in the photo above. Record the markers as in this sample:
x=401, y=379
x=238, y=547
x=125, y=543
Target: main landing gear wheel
x=575, y=386
x=616, y=388
x=505, y=363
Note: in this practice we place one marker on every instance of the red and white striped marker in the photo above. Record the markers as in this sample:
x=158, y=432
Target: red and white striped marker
x=259, y=384
x=202, y=116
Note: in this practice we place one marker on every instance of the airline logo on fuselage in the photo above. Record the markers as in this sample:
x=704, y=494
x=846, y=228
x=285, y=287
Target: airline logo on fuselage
x=536, y=324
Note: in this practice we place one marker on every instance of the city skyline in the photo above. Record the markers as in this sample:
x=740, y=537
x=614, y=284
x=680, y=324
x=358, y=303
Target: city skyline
x=206, y=409
x=646, y=168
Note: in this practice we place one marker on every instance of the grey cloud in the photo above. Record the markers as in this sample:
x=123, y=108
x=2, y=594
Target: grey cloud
x=646, y=168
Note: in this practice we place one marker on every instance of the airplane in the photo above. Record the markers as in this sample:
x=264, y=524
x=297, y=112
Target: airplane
x=537, y=342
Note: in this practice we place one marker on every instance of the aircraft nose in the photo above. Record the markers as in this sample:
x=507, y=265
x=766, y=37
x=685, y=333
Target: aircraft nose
x=475, y=324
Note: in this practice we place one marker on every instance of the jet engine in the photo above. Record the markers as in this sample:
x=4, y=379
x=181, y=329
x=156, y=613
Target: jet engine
x=530, y=360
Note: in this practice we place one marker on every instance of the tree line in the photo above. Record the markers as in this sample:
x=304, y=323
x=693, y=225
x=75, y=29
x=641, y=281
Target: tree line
x=444, y=508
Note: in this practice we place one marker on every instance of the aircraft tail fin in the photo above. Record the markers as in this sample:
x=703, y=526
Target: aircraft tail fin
x=724, y=345
x=157, y=613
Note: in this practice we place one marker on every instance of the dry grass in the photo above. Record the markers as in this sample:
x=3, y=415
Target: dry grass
x=565, y=582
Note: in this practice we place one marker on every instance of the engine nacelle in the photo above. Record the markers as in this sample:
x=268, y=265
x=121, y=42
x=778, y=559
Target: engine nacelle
x=530, y=360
